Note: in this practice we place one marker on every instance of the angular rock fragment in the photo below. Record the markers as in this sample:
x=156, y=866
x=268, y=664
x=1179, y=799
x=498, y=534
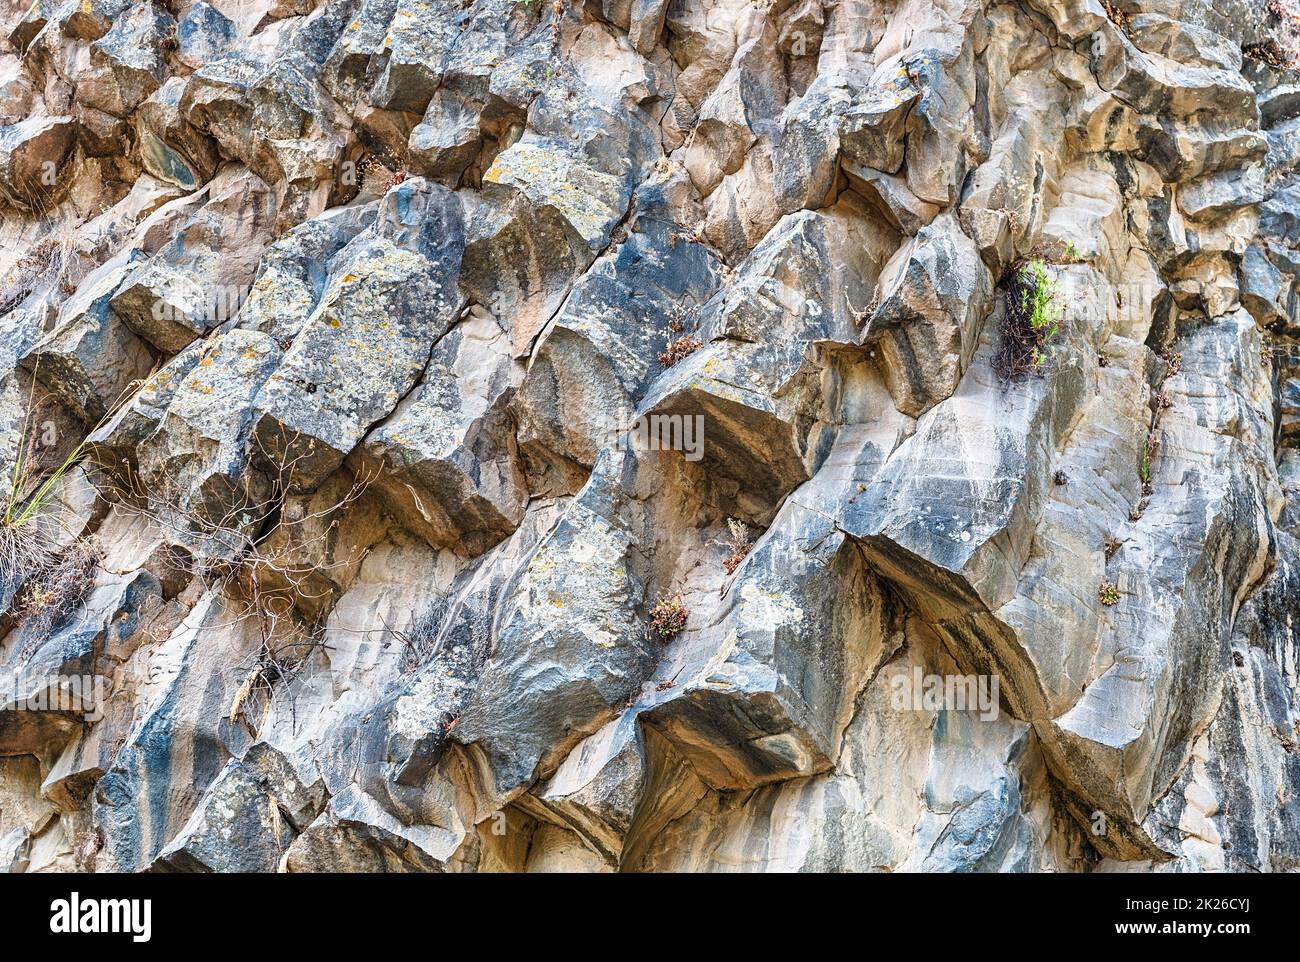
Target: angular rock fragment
x=446, y=458
x=32, y=153
x=390, y=297
x=193, y=283
x=933, y=298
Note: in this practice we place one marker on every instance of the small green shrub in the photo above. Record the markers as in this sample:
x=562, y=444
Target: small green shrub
x=1031, y=322
x=1039, y=296
x=1108, y=593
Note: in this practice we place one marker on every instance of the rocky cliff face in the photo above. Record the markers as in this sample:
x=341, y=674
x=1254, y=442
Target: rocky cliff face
x=490, y=435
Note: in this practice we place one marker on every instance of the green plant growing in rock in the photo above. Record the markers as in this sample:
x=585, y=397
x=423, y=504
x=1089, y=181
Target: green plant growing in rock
x=1031, y=321
x=1108, y=593
x=26, y=550
x=668, y=617
x=1039, y=295
x=1067, y=252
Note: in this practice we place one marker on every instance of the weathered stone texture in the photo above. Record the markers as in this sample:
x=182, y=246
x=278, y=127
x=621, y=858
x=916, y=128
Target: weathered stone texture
x=640, y=435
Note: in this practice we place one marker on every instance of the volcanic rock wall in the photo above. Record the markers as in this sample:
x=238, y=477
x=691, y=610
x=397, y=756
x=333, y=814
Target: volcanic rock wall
x=496, y=435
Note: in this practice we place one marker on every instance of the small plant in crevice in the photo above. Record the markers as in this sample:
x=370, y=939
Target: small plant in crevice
x=1148, y=457
x=1031, y=320
x=668, y=617
x=420, y=640
x=678, y=349
x=1110, y=545
x=32, y=507
x=42, y=264
x=1118, y=17
x=1270, y=53
x=1135, y=512
x=1173, y=362
x=51, y=595
x=393, y=179
x=1070, y=254
x=1108, y=593
x=1159, y=404
x=679, y=315
x=739, y=543
x=1060, y=478
x=379, y=170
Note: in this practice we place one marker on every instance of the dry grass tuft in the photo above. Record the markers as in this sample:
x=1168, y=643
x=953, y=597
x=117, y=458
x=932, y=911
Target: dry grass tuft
x=420, y=640
x=678, y=349
x=740, y=544
x=49, y=597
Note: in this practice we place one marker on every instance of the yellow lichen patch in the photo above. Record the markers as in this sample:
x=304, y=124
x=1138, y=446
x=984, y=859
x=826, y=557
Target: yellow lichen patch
x=547, y=175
